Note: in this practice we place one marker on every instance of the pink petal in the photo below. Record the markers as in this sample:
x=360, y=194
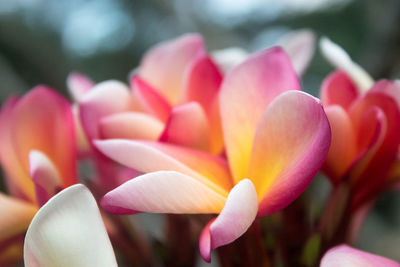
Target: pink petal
x=43, y=120
x=44, y=175
x=343, y=255
x=202, y=83
x=390, y=88
x=235, y=218
x=149, y=99
x=15, y=216
x=148, y=156
x=338, y=89
x=163, y=192
x=104, y=99
x=290, y=145
x=343, y=149
x=16, y=176
x=188, y=126
x=78, y=85
x=246, y=92
x=300, y=47
x=130, y=125
x=68, y=231
x=164, y=65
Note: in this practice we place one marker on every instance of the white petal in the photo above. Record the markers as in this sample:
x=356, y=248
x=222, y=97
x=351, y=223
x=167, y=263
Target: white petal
x=68, y=231
x=339, y=58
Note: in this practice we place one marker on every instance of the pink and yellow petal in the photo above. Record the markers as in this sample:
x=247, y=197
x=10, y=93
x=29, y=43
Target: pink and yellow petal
x=175, y=193
x=43, y=120
x=235, y=218
x=130, y=125
x=164, y=65
x=188, y=126
x=15, y=216
x=16, y=176
x=146, y=156
x=68, y=231
x=290, y=145
x=245, y=93
x=344, y=255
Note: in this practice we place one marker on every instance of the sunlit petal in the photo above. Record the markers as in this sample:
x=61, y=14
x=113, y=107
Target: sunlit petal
x=163, y=192
x=153, y=156
x=290, y=145
x=246, y=92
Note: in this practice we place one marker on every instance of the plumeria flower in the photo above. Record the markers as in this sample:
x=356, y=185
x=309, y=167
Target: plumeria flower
x=37, y=153
x=176, y=82
x=365, y=119
x=343, y=255
x=276, y=139
x=68, y=231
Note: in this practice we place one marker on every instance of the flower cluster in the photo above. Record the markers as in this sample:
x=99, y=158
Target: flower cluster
x=228, y=135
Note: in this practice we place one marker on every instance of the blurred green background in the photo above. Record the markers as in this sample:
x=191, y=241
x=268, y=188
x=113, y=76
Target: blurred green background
x=41, y=41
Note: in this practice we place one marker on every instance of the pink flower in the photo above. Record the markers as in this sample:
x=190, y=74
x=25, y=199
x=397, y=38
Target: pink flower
x=276, y=139
x=344, y=255
x=365, y=120
x=38, y=155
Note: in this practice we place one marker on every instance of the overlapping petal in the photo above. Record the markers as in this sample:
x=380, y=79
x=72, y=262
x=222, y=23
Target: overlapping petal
x=44, y=175
x=300, y=47
x=130, y=125
x=246, y=92
x=343, y=255
x=188, y=126
x=78, y=85
x=148, y=156
x=43, y=120
x=149, y=99
x=15, y=215
x=343, y=143
x=236, y=217
x=157, y=192
x=338, y=89
x=68, y=231
x=104, y=99
x=164, y=65
x=338, y=57
x=290, y=145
